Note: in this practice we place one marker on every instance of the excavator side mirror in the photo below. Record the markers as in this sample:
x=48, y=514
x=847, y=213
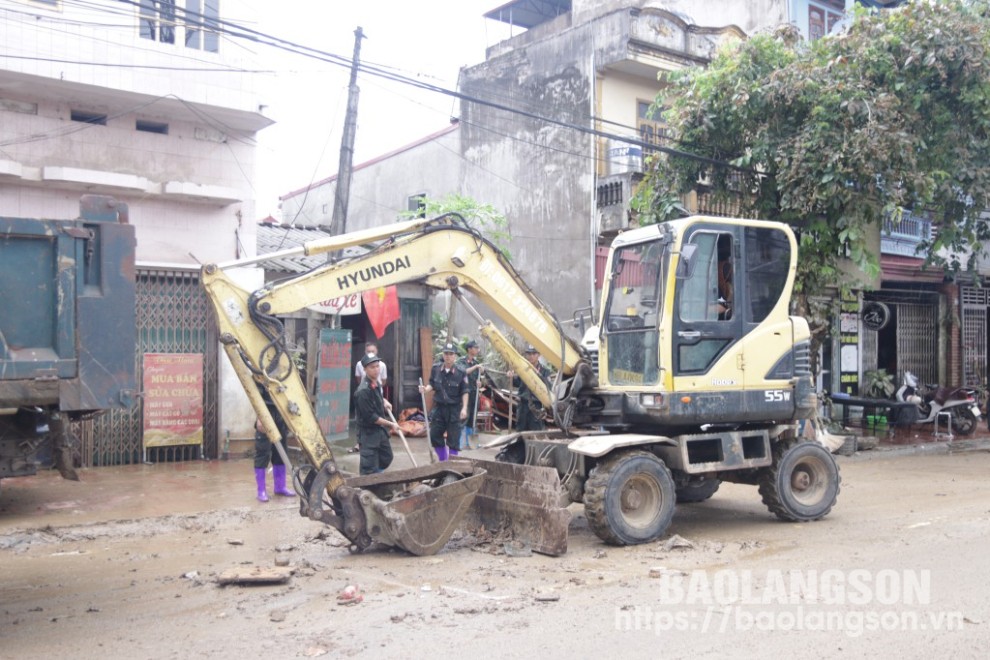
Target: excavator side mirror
x=685, y=265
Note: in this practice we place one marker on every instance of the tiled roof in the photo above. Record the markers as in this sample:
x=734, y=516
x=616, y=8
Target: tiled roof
x=275, y=238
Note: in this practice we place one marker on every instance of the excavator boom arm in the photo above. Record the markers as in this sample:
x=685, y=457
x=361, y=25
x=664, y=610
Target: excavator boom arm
x=442, y=255
x=437, y=253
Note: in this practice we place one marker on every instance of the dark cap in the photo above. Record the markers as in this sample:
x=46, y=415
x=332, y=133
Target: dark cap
x=530, y=349
x=369, y=359
x=471, y=344
x=449, y=348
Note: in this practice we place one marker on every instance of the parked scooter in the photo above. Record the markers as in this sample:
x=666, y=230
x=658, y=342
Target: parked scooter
x=960, y=402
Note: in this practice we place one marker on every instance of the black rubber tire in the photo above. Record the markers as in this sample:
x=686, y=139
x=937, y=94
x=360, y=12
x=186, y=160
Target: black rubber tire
x=964, y=422
x=629, y=498
x=698, y=491
x=803, y=482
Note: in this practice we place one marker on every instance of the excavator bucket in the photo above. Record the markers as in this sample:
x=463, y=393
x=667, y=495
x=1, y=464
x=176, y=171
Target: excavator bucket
x=523, y=502
x=418, y=509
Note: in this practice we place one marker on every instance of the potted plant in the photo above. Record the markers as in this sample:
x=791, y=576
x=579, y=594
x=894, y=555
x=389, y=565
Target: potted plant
x=878, y=384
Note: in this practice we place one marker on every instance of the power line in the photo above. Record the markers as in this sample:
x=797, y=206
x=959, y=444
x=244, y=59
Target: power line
x=117, y=65
x=231, y=28
x=80, y=126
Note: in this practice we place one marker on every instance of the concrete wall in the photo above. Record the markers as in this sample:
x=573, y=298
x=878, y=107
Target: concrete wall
x=539, y=174
x=67, y=37
x=750, y=16
x=189, y=190
x=551, y=205
x=381, y=188
x=542, y=174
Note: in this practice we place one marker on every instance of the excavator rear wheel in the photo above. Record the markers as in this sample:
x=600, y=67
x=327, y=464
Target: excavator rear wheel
x=629, y=498
x=802, y=484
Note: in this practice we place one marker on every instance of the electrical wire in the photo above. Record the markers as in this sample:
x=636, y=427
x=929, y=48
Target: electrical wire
x=233, y=30
x=236, y=30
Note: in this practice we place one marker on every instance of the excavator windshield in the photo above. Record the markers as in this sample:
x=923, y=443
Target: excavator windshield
x=632, y=313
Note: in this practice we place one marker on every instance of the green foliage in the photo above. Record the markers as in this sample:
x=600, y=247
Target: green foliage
x=441, y=337
x=878, y=384
x=837, y=135
x=483, y=217
x=653, y=205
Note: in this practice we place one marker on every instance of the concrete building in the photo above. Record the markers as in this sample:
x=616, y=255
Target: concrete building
x=147, y=102
x=542, y=135
x=579, y=70
x=95, y=97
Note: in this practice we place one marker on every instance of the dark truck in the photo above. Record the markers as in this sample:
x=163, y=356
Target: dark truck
x=67, y=330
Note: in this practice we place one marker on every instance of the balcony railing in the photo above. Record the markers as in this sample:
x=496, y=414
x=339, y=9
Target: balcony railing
x=903, y=236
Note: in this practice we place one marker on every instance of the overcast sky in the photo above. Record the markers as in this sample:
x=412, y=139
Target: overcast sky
x=308, y=99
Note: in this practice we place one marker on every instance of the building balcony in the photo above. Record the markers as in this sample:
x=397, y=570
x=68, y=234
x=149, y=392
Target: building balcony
x=613, y=193
x=903, y=236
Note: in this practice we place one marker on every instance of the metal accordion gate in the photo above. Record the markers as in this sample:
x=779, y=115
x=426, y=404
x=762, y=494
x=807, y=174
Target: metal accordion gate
x=916, y=333
x=173, y=316
x=974, y=335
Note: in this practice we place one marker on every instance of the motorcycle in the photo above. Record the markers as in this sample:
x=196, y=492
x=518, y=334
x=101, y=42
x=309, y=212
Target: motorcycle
x=961, y=402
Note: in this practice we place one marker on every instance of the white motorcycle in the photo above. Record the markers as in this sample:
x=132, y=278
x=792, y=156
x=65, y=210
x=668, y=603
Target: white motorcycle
x=960, y=402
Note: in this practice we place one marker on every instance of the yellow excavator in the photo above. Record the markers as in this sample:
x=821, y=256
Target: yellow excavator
x=701, y=376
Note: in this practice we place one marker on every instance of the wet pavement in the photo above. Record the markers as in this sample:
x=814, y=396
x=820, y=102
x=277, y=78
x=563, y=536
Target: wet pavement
x=151, y=490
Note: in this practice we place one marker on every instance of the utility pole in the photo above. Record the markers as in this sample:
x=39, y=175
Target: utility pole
x=338, y=222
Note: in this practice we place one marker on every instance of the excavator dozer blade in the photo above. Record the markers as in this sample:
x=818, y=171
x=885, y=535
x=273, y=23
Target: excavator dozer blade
x=417, y=509
x=523, y=502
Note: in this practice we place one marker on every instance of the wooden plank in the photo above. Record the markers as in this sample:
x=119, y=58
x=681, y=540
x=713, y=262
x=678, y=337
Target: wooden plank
x=256, y=575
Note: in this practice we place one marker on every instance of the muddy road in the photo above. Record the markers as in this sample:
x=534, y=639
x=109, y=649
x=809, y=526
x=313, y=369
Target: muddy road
x=899, y=568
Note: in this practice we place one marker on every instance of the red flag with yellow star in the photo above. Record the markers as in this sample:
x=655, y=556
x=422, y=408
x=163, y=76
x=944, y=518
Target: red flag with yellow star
x=382, y=307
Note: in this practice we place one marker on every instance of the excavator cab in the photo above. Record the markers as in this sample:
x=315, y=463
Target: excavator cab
x=696, y=312
x=632, y=313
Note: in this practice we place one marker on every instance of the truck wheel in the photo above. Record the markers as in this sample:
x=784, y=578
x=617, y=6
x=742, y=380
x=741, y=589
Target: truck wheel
x=629, y=498
x=964, y=423
x=803, y=482
x=697, y=491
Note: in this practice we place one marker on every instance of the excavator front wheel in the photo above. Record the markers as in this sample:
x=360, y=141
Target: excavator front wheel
x=803, y=482
x=629, y=498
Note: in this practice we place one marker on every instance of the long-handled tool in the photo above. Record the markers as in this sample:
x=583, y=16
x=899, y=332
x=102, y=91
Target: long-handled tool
x=426, y=416
x=403, y=437
x=474, y=417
